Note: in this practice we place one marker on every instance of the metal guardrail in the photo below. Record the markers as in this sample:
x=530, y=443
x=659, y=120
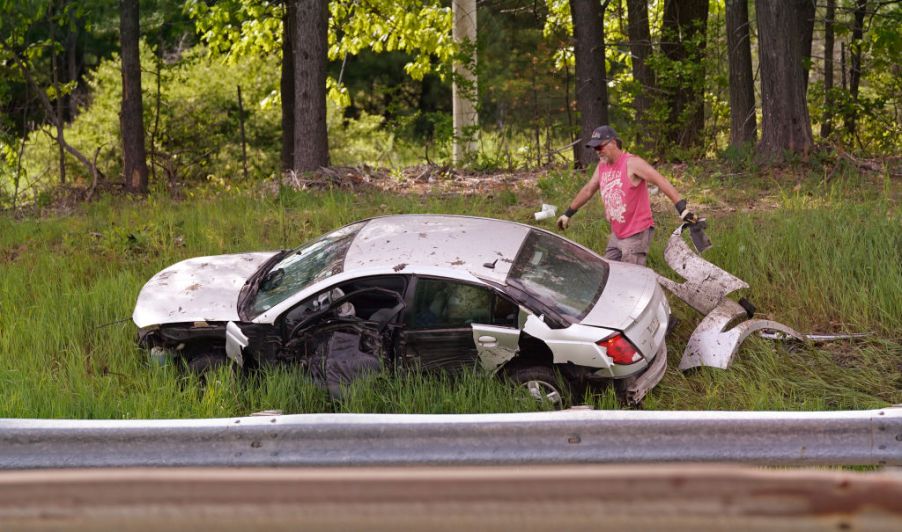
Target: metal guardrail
x=871, y=437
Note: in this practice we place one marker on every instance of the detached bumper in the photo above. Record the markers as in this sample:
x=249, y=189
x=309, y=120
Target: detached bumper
x=634, y=389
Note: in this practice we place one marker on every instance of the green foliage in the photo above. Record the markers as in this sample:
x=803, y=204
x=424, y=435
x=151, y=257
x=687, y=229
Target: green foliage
x=364, y=140
x=196, y=135
x=389, y=84
x=417, y=393
x=559, y=26
x=877, y=110
x=196, y=132
x=422, y=29
x=526, y=86
x=238, y=28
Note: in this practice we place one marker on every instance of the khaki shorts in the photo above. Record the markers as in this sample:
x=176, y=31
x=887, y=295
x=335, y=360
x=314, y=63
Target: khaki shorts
x=632, y=249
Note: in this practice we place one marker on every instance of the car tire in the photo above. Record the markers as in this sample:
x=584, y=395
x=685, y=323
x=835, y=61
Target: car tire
x=542, y=382
x=201, y=364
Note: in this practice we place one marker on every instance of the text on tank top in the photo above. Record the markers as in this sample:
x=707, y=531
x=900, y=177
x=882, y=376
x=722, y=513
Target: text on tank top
x=626, y=206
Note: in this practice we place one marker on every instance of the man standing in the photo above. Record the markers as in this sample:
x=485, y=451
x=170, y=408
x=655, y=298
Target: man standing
x=622, y=180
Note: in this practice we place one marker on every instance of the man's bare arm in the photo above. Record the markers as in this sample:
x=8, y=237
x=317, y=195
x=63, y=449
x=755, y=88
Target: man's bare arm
x=643, y=170
x=585, y=194
x=582, y=197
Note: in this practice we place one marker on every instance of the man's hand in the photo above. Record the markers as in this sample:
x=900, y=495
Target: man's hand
x=563, y=222
x=685, y=215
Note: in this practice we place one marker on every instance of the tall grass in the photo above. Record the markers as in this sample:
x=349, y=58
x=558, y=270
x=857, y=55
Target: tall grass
x=817, y=263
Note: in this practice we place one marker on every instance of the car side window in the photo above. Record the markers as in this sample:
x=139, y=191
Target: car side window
x=505, y=312
x=440, y=304
x=313, y=304
x=363, y=305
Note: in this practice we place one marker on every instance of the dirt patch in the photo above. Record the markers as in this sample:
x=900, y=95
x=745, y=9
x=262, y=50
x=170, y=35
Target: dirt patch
x=843, y=357
x=415, y=180
x=12, y=254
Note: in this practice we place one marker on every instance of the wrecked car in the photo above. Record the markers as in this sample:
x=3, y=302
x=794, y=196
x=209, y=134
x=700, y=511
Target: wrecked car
x=425, y=292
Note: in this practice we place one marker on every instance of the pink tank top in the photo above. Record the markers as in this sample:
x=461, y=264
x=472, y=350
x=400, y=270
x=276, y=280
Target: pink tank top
x=626, y=206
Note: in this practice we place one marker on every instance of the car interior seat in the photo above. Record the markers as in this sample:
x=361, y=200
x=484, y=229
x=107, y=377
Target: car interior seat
x=439, y=303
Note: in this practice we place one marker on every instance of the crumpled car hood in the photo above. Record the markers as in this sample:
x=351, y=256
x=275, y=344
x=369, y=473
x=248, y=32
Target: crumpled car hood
x=198, y=289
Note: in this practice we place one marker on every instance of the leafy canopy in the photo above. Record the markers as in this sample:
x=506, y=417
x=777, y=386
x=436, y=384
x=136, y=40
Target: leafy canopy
x=421, y=28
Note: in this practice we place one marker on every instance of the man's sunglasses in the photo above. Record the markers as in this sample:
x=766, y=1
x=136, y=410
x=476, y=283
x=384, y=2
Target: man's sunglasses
x=601, y=146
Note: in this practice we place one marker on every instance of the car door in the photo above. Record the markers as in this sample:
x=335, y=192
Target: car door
x=438, y=322
x=498, y=341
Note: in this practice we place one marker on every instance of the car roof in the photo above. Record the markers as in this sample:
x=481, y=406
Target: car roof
x=443, y=241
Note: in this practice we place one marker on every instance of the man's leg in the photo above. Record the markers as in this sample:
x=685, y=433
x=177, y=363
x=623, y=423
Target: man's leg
x=612, y=251
x=635, y=248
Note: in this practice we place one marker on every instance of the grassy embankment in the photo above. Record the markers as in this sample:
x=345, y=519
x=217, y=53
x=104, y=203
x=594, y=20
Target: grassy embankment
x=821, y=257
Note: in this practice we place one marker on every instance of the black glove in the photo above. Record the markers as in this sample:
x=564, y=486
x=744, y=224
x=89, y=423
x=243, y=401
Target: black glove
x=685, y=215
x=564, y=221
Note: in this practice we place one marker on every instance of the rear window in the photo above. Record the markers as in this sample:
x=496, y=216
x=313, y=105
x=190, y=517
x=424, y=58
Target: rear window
x=561, y=275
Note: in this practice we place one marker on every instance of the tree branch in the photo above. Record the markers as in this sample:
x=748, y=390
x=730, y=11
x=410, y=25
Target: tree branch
x=54, y=119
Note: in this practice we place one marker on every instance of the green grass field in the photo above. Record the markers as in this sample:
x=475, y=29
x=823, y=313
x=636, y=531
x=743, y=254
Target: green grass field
x=820, y=257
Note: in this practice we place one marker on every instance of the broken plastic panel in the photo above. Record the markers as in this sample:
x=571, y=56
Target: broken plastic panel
x=706, y=285
x=712, y=344
x=705, y=289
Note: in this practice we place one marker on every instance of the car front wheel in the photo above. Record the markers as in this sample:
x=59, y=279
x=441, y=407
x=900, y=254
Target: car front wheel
x=207, y=362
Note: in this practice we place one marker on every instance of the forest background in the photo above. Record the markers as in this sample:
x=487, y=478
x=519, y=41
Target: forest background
x=681, y=80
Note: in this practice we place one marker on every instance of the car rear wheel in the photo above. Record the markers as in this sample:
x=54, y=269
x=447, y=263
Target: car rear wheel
x=542, y=384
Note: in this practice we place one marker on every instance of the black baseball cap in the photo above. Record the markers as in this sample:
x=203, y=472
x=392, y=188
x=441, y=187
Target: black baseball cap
x=601, y=135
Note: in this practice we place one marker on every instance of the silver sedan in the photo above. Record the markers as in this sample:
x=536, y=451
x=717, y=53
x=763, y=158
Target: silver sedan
x=427, y=292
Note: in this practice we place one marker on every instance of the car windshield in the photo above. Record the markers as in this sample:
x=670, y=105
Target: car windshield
x=560, y=274
x=312, y=262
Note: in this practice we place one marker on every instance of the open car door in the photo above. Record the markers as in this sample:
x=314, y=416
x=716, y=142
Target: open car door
x=495, y=344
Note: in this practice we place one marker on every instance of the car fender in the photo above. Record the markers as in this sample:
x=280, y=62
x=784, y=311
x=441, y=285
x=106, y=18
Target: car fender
x=576, y=345
x=236, y=341
x=712, y=344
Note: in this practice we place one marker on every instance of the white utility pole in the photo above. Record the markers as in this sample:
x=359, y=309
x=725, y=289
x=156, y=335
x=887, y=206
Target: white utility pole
x=463, y=88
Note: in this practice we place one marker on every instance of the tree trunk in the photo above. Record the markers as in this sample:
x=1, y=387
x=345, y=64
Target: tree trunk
x=743, y=125
x=241, y=130
x=131, y=117
x=640, y=49
x=855, y=56
x=683, y=39
x=58, y=103
x=287, y=85
x=785, y=124
x=591, y=83
x=827, y=122
x=311, y=142
x=842, y=63
x=464, y=89
x=75, y=58
x=806, y=36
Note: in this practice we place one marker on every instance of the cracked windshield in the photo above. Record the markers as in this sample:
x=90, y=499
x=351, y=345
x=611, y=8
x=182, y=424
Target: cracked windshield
x=311, y=262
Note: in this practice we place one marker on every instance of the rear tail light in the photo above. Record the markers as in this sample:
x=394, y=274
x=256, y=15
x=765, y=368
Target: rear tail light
x=621, y=350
